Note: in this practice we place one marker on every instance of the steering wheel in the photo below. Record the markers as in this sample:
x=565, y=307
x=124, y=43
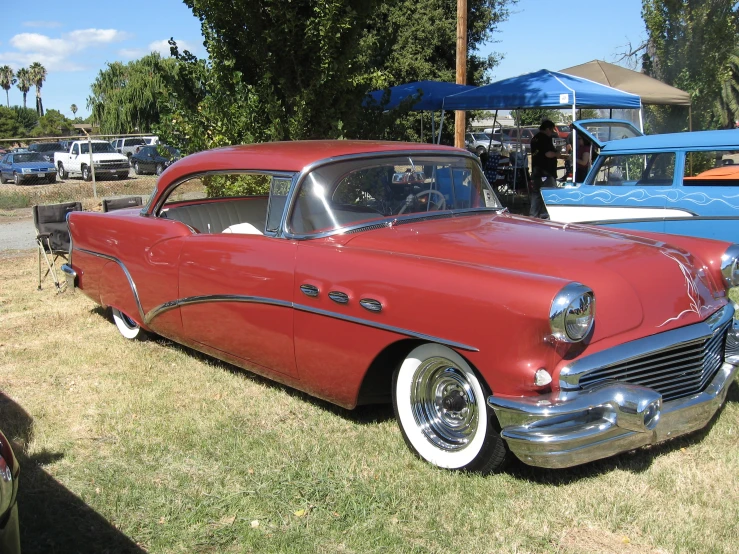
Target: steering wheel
x=430, y=192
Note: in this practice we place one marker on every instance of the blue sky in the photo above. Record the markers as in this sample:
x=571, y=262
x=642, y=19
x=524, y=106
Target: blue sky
x=74, y=41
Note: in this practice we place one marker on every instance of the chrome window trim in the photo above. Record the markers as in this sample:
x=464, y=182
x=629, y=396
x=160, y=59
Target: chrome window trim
x=569, y=376
x=301, y=176
x=162, y=308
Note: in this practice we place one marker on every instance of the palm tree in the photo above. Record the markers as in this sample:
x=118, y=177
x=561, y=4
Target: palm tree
x=38, y=76
x=728, y=102
x=7, y=80
x=24, y=82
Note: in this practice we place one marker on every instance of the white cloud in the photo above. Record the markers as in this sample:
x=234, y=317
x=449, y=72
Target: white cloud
x=53, y=53
x=43, y=24
x=132, y=53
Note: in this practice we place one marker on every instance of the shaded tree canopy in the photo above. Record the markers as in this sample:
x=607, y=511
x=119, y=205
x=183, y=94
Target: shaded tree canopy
x=689, y=44
x=127, y=98
x=289, y=70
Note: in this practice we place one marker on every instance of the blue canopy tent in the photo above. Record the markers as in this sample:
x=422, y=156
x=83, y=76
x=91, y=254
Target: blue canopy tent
x=542, y=89
x=430, y=97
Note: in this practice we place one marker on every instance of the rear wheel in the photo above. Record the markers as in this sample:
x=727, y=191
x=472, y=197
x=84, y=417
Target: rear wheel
x=440, y=405
x=136, y=168
x=86, y=173
x=127, y=326
x=62, y=172
x=159, y=169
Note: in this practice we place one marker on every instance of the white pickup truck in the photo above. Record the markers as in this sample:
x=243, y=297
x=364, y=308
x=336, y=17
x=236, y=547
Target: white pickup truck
x=77, y=161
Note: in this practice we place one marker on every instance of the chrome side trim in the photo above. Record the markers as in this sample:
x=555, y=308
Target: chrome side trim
x=126, y=273
x=383, y=327
x=162, y=308
x=569, y=377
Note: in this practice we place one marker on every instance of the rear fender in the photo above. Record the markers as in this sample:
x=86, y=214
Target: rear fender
x=118, y=293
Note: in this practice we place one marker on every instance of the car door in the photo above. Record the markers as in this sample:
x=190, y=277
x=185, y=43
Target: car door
x=4, y=165
x=236, y=290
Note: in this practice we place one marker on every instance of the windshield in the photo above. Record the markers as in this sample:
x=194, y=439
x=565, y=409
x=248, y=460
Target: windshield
x=482, y=137
x=97, y=148
x=30, y=157
x=361, y=191
x=168, y=152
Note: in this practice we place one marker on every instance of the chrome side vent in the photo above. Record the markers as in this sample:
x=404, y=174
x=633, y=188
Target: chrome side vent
x=309, y=290
x=371, y=304
x=339, y=297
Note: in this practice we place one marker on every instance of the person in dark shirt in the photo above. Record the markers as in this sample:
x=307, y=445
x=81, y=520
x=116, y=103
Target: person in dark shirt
x=543, y=165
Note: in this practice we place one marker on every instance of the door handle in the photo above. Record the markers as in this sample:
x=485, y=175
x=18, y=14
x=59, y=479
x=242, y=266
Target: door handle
x=309, y=290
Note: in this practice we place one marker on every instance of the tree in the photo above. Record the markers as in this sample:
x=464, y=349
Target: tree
x=7, y=80
x=535, y=116
x=728, y=102
x=52, y=124
x=38, y=76
x=278, y=71
x=73, y=109
x=689, y=42
x=27, y=119
x=8, y=123
x=24, y=82
x=130, y=98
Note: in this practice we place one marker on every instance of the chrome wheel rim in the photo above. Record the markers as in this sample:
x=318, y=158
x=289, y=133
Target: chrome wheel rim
x=444, y=405
x=127, y=321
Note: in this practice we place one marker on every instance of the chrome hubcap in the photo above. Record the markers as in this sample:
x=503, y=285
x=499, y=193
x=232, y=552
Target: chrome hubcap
x=444, y=404
x=127, y=321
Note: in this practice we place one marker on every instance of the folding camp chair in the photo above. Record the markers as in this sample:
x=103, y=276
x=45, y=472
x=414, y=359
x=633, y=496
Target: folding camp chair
x=52, y=236
x=110, y=204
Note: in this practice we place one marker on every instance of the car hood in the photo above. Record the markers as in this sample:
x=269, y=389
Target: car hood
x=637, y=282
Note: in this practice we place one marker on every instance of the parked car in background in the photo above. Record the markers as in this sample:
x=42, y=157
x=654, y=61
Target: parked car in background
x=563, y=131
x=9, y=473
x=26, y=167
x=479, y=143
x=682, y=183
x=128, y=145
x=154, y=159
x=364, y=272
x=105, y=160
x=151, y=140
x=46, y=149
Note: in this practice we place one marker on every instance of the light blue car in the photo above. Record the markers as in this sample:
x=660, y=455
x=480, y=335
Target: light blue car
x=681, y=183
x=26, y=167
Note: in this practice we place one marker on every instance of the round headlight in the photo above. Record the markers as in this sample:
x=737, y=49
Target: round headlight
x=573, y=313
x=730, y=266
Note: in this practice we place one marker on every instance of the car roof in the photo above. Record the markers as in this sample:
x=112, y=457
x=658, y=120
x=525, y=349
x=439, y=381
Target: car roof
x=677, y=141
x=289, y=156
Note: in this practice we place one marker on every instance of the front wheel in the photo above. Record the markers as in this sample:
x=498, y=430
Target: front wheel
x=86, y=173
x=62, y=172
x=159, y=169
x=127, y=326
x=136, y=168
x=439, y=403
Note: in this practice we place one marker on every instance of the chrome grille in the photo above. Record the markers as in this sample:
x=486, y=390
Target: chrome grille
x=675, y=371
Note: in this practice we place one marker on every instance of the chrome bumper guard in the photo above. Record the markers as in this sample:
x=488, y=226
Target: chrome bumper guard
x=569, y=428
x=70, y=275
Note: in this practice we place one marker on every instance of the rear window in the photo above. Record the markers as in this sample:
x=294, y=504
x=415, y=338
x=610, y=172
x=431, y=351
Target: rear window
x=46, y=147
x=711, y=168
x=135, y=142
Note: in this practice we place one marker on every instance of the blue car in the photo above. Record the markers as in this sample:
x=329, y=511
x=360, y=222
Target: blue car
x=681, y=183
x=26, y=167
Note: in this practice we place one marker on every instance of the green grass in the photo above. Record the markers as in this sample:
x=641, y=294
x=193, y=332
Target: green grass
x=127, y=446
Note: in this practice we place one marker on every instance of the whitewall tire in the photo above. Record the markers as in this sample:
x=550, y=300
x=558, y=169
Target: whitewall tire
x=127, y=326
x=440, y=405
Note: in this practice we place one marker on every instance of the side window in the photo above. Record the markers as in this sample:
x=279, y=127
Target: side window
x=76, y=149
x=235, y=203
x=656, y=169
x=711, y=168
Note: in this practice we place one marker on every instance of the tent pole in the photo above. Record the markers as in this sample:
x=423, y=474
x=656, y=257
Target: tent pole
x=495, y=120
x=441, y=125
x=690, y=116
x=421, y=112
x=641, y=120
x=433, y=127
x=573, y=160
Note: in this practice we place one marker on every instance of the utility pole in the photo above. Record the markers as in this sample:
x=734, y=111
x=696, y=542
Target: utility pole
x=459, y=123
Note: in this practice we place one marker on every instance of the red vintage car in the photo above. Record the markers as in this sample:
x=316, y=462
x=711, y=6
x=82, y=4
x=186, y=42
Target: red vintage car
x=314, y=264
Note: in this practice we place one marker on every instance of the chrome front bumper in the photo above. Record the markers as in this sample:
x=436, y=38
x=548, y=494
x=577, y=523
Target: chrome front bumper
x=569, y=428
